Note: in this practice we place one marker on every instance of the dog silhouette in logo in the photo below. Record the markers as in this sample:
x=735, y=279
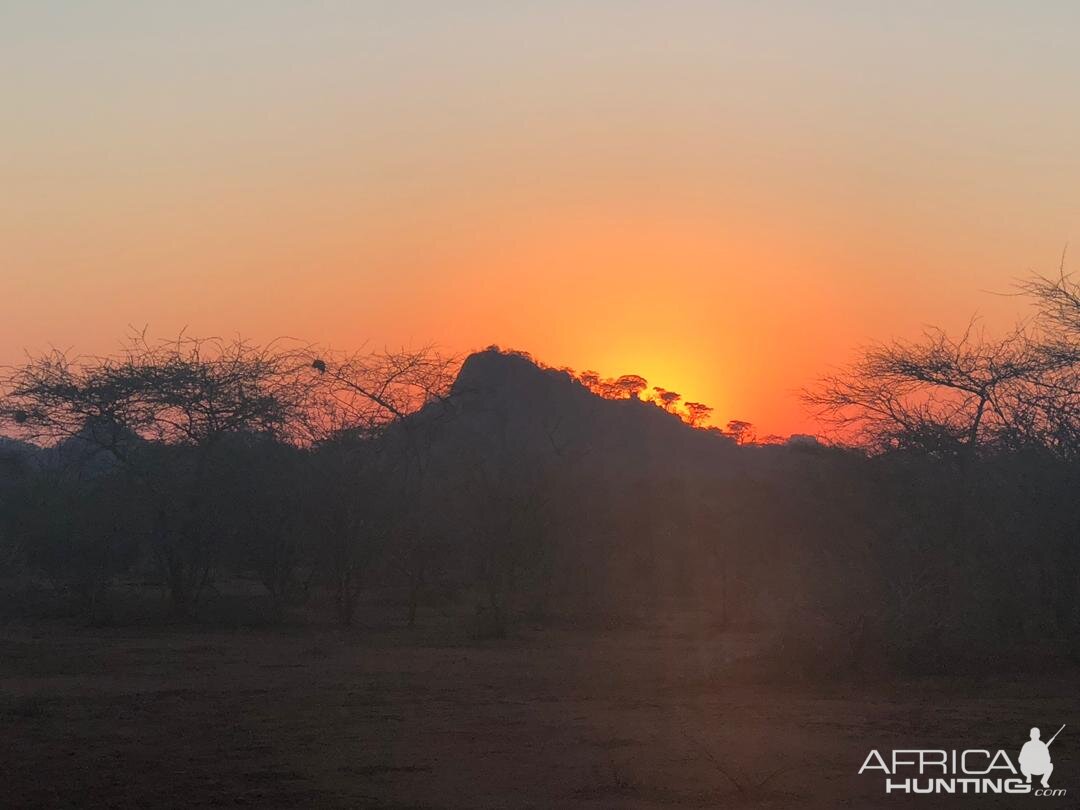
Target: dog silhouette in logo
x=1035, y=757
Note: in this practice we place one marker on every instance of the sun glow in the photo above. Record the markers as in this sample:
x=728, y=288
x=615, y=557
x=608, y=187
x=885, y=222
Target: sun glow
x=724, y=219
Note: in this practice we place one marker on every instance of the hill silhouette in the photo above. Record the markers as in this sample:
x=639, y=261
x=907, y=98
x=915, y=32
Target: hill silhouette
x=508, y=395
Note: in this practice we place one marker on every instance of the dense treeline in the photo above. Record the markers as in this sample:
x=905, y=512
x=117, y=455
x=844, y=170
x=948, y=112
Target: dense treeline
x=942, y=531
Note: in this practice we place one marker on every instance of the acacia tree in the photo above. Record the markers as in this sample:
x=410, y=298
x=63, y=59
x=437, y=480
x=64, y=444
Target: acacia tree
x=77, y=527
x=668, y=400
x=1047, y=412
x=161, y=410
x=590, y=379
x=364, y=392
x=260, y=492
x=504, y=468
x=742, y=432
x=697, y=413
x=510, y=491
x=629, y=386
x=419, y=499
x=348, y=510
x=372, y=464
x=14, y=472
x=952, y=406
x=940, y=395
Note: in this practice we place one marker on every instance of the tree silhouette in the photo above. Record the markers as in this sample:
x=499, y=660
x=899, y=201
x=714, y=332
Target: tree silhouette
x=668, y=400
x=697, y=413
x=742, y=432
x=941, y=394
x=629, y=386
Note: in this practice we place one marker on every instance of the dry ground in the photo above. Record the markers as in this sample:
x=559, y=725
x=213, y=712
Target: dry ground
x=428, y=718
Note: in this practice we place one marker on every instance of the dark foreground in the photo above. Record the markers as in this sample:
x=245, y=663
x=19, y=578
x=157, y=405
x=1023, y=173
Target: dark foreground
x=393, y=718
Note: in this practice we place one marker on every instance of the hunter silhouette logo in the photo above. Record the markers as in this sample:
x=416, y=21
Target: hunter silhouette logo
x=1035, y=757
x=973, y=770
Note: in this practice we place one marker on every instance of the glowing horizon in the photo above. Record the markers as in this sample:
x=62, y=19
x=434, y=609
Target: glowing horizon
x=725, y=198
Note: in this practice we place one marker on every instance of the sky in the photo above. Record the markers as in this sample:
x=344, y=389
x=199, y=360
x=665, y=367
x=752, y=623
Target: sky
x=727, y=198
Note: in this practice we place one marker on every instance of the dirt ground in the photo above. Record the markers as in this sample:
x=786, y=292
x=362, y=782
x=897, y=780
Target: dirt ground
x=426, y=718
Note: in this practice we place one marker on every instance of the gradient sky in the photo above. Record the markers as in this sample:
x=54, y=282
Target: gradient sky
x=724, y=197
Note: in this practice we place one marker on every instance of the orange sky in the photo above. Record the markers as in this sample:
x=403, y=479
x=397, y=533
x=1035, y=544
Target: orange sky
x=723, y=197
